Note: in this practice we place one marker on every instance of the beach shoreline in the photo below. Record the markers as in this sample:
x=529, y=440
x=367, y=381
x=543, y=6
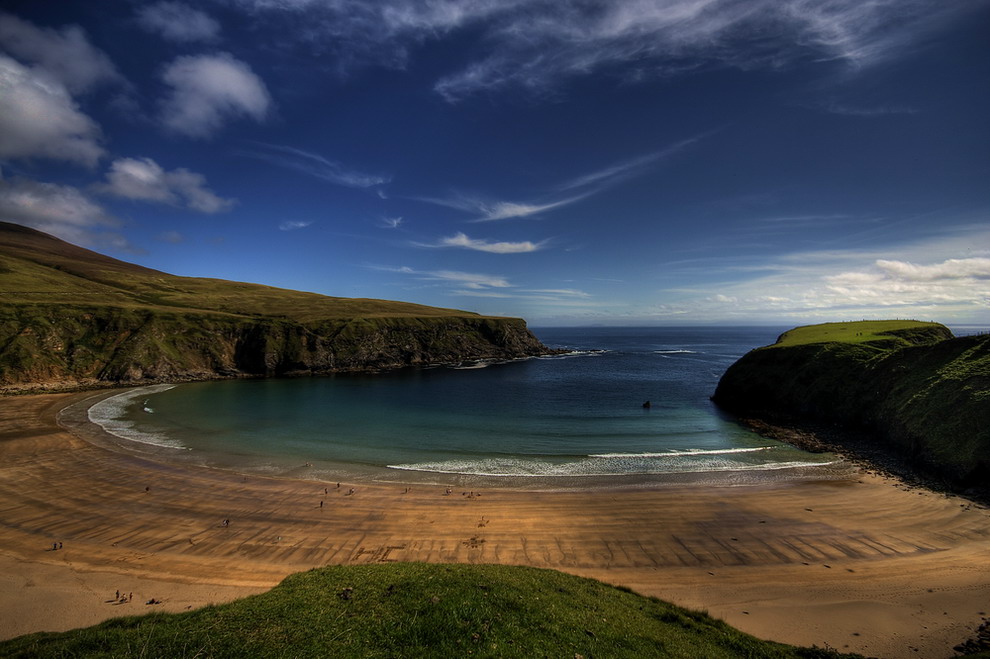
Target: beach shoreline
x=75, y=418
x=865, y=563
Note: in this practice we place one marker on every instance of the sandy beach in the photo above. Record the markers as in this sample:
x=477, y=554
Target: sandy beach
x=865, y=564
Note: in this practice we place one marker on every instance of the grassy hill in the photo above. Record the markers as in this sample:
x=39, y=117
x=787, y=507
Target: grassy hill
x=38, y=268
x=69, y=316
x=881, y=334
x=922, y=393
x=420, y=610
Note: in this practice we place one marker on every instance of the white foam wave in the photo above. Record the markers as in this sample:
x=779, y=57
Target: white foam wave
x=575, y=353
x=531, y=468
x=110, y=413
x=676, y=352
x=684, y=453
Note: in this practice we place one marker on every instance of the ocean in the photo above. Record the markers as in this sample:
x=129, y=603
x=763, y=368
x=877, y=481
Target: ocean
x=576, y=419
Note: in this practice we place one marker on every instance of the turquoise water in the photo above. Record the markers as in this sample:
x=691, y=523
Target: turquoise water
x=573, y=416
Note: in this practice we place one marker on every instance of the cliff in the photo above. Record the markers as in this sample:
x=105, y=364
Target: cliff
x=70, y=317
x=919, y=392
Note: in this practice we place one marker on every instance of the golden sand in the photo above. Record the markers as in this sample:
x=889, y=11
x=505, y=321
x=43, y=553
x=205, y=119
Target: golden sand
x=864, y=564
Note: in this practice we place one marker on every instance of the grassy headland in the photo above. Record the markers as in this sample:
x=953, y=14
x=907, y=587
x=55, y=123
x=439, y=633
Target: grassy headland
x=420, y=610
x=70, y=316
x=922, y=393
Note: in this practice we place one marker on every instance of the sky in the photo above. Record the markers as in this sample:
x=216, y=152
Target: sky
x=571, y=162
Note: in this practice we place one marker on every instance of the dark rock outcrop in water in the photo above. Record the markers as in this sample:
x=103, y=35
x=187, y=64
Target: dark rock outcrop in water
x=918, y=393
x=71, y=318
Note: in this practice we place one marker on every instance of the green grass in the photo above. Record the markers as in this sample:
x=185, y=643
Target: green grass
x=419, y=610
x=39, y=269
x=890, y=333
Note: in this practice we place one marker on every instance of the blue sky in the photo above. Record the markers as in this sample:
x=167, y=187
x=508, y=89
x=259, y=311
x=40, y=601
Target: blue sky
x=571, y=162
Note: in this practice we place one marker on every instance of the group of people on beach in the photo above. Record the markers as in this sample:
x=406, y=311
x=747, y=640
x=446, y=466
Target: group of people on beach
x=121, y=598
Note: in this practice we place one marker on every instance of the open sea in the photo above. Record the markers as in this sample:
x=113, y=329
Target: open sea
x=571, y=420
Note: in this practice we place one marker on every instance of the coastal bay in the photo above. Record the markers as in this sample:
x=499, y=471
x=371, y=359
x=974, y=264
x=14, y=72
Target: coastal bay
x=810, y=562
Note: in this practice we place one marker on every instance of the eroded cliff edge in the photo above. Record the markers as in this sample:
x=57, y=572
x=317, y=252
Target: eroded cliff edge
x=71, y=318
x=56, y=347
x=916, y=391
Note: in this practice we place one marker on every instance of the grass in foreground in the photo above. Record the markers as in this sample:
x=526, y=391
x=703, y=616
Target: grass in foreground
x=420, y=610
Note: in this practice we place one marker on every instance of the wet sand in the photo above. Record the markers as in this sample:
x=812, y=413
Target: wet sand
x=863, y=564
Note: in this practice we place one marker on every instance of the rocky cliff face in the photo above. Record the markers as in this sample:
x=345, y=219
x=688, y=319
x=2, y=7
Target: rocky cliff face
x=61, y=346
x=929, y=403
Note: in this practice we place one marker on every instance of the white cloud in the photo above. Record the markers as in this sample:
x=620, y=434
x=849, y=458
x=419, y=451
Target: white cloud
x=537, y=44
x=178, y=21
x=552, y=41
x=621, y=171
x=488, y=211
x=39, y=119
x=292, y=225
x=314, y=165
x=945, y=279
x=207, y=91
x=975, y=268
x=903, y=284
x=391, y=222
x=579, y=188
x=60, y=210
x=462, y=240
x=146, y=180
x=864, y=111
x=171, y=237
x=558, y=293
x=65, y=54
x=470, y=280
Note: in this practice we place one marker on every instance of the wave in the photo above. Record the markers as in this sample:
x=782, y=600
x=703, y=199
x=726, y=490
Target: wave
x=594, y=467
x=575, y=353
x=471, y=367
x=676, y=352
x=110, y=414
x=684, y=453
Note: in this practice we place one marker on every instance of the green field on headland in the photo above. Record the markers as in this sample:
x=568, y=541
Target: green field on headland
x=420, y=610
x=920, y=392
x=884, y=334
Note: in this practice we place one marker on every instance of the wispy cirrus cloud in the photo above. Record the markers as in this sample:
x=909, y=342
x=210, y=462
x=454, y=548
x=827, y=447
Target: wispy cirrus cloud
x=469, y=284
x=535, y=45
x=463, y=241
x=473, y=281
x=313, y=164
x=845, y=109
x=293, y=225
x=486, y=210
x=563, y=194
x=620, y=171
